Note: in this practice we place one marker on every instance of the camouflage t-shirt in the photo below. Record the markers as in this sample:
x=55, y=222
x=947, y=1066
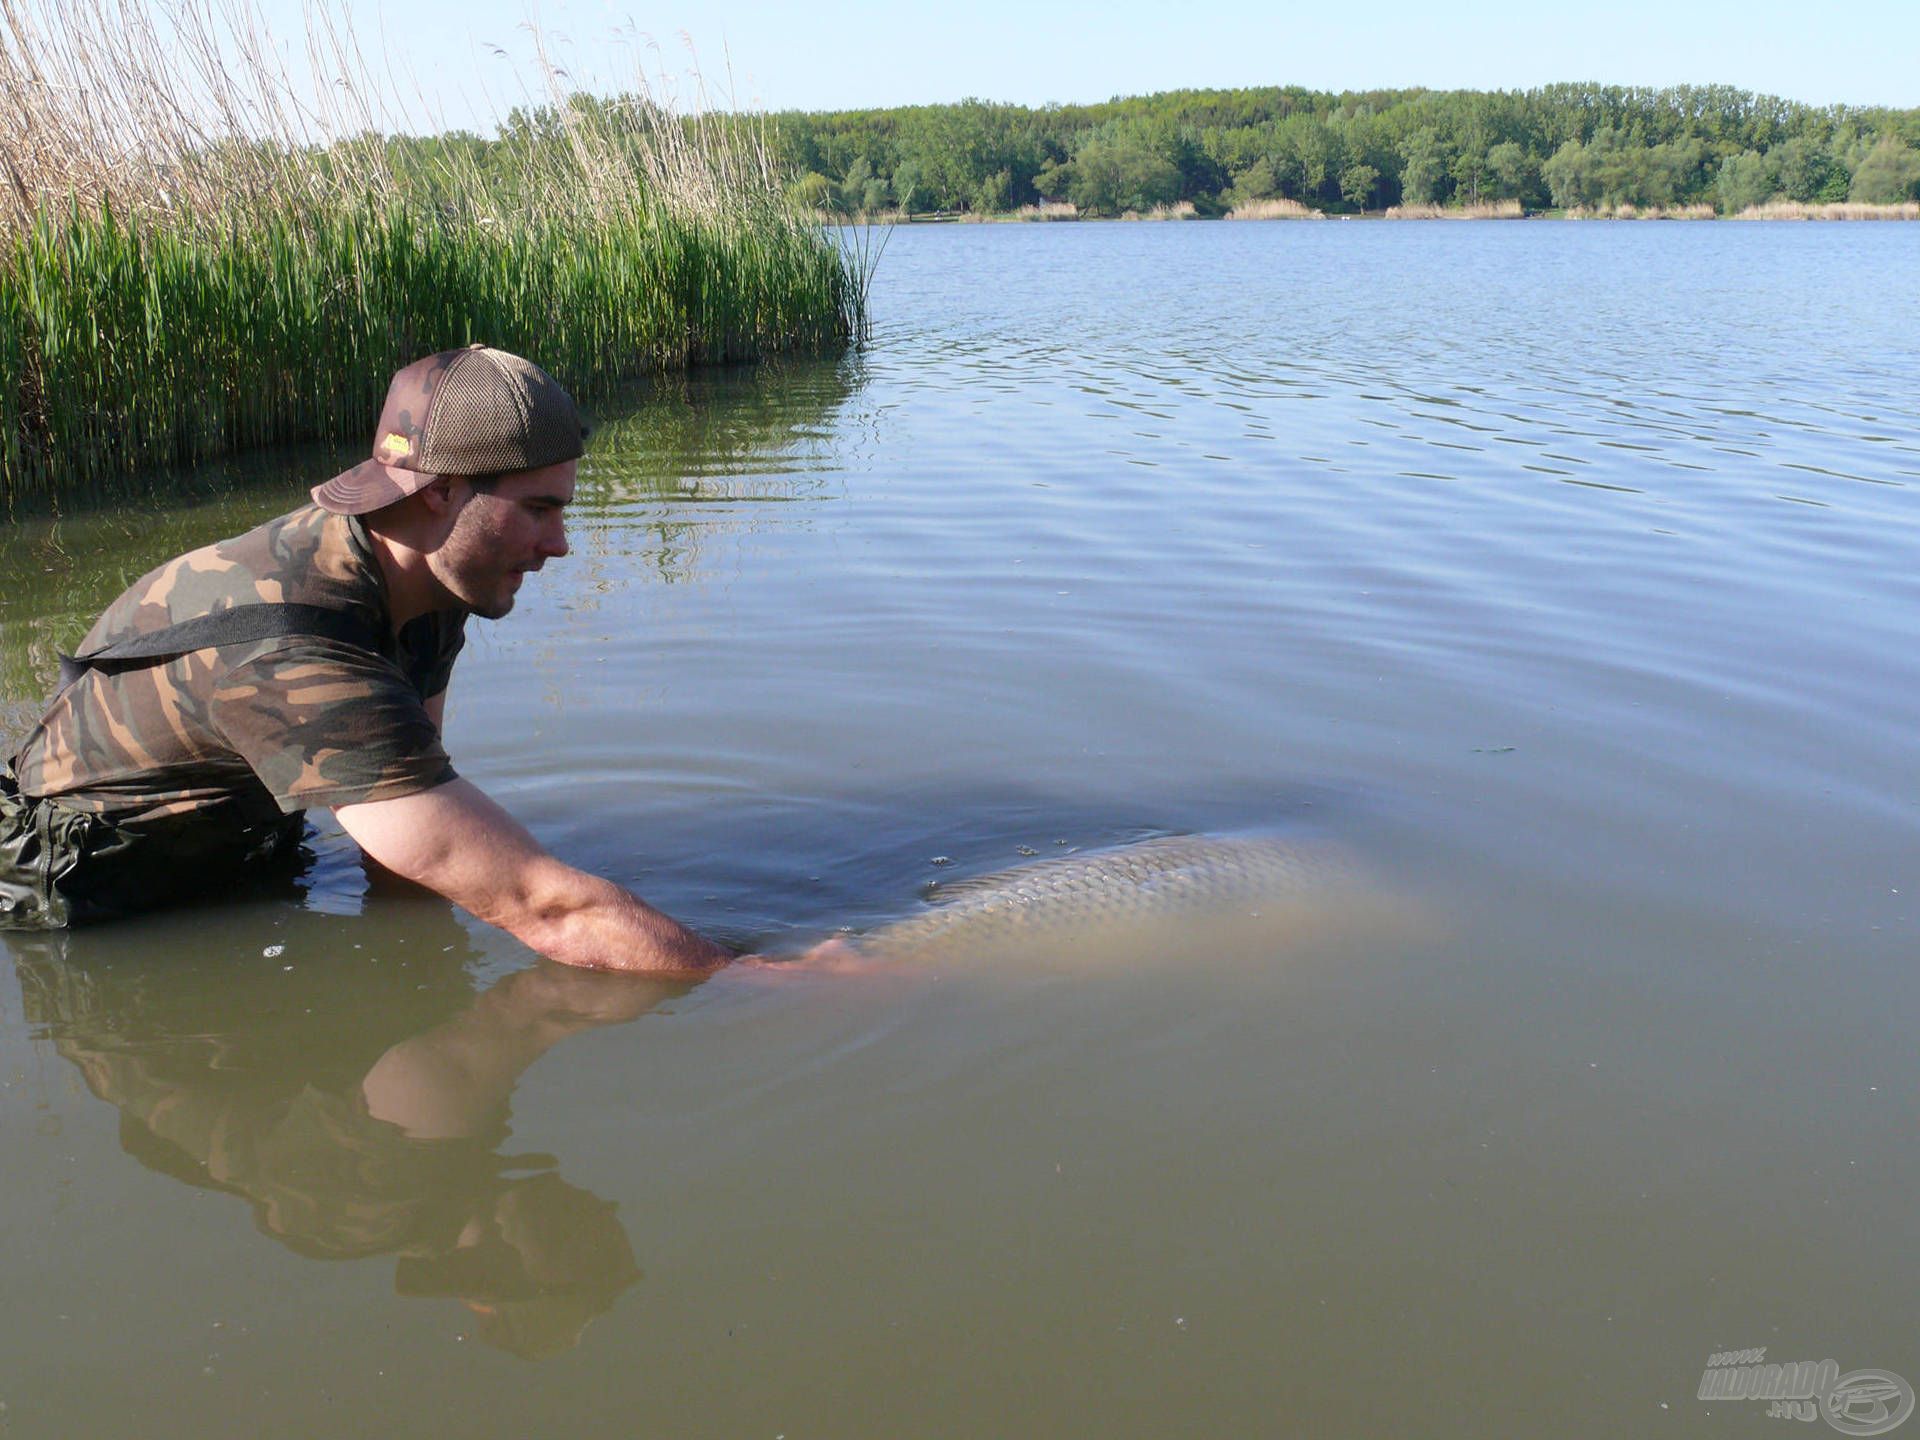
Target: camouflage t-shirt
x=236, y=736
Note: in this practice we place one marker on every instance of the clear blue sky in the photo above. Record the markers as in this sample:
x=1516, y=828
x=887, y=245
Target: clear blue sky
x=849, y=53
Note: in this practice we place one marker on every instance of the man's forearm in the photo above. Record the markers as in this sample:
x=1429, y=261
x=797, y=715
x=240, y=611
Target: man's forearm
x=457, y=842
x=581, y=919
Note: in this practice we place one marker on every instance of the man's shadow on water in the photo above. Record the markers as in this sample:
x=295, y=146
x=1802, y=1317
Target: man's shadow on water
x=357, y=1100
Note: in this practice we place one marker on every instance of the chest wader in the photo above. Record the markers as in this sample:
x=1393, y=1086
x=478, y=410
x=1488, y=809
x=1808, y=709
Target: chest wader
x=61, y=866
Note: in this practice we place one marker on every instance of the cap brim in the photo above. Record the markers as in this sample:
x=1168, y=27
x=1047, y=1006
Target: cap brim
x=367, y=487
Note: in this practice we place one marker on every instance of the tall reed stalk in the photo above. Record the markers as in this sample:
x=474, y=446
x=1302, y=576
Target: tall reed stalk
x=192, y=260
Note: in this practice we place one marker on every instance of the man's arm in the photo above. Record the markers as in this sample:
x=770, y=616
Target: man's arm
x=457, y=842
x=437, y=711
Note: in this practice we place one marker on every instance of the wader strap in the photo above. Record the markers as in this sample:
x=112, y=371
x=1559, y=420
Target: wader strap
x=232, y=626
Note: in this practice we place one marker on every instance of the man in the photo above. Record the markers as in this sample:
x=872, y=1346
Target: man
x=305, y=663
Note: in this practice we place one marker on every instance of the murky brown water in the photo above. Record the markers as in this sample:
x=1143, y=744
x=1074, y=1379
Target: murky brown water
x=1565, y=574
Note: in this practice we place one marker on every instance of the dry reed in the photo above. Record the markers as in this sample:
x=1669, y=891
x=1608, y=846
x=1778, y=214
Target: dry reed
x=1477, y=210
x=1274, y=209
x=1047, y=211
x=1696, y=211
x=1837, y=210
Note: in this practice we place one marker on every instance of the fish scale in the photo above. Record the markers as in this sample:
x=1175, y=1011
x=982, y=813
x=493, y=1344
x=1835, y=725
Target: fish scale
x=1171, y=877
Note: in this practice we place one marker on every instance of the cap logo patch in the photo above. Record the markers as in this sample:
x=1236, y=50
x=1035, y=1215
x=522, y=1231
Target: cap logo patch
x=395, y=447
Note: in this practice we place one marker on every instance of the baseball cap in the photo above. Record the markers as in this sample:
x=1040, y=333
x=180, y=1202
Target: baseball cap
x=476, y=411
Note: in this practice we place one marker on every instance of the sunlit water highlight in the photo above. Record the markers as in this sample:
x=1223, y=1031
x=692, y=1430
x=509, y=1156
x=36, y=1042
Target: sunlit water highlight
x=1565, y=573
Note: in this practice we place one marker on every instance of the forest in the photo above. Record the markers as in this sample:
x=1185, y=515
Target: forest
x=1571, y=147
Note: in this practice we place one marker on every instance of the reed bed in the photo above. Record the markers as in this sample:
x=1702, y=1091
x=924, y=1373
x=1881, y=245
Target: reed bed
x=1046, y=211
x=1278, y=208
x=1477, y=210
x=1837, y=210
x=1179, y=210
x=193, y=262
x=893, y=215
x=1697, y=211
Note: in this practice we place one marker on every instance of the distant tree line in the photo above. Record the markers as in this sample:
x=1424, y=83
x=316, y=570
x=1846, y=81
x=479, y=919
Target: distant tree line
x=1560, y=146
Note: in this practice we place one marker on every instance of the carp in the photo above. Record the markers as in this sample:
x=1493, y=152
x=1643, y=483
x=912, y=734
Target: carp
x=1151, y=891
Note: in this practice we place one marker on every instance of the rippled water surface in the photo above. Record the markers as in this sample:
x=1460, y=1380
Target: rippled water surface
x=1564, y=574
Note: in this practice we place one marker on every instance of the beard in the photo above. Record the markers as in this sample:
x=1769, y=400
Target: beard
x=474, y=563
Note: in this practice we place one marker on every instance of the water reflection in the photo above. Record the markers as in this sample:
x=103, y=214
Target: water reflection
x=754, y=432
x=702, y=455
x=686, y=458
x=358, y=1103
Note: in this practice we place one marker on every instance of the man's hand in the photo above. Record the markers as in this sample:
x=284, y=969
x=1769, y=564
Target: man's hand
x=838, y=956
x=839, y=953
x=456, y=842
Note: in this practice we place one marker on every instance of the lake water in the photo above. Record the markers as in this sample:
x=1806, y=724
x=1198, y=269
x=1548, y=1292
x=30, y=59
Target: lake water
x=1565, y=573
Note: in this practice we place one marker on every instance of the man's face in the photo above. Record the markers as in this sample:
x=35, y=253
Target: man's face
x=499, y=535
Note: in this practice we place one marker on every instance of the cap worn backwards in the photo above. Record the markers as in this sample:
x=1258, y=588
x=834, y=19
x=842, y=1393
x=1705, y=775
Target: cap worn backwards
x=476, y=411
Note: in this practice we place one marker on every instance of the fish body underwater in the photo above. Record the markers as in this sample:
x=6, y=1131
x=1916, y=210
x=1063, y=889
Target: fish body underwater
x=1177, y=889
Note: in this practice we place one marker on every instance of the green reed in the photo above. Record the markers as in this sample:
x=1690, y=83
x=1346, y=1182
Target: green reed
x=129, y=344
x=195, y=258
